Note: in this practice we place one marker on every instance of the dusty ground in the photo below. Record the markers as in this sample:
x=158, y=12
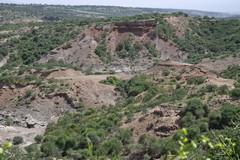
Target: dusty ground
x=9, y=132
x=41, y=110
x=191, y=71
x=180, y=25
x=221, y=64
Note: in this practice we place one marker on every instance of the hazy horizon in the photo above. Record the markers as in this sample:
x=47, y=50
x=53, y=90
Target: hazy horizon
x=230, y=6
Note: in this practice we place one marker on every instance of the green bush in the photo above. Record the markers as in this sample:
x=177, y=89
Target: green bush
x=178, y=77
x=111, y=147
x=223, y=90
x=28, y=93
x=211, y=88
x=196, y=107
x=197, y=80
x=179, y=94
x=38, y=138
x=50, y=149
x=134, y=86
x=17, y=140
x=228, y=114
x=235, y=93
x=165, y=72
x=102, y=52
x=215, y=120
x=111, y=80
x=124, y=135
x=188, y=120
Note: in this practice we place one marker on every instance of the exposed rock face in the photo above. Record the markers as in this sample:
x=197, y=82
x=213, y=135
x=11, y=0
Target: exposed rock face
x=161, y=121
x=136, y=27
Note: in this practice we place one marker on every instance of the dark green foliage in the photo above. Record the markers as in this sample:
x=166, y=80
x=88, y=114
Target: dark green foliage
x=133, y=87
x=235, y=93
x=123, y=48
x=188, y=120
x=96, y=125
x=124, y=135
x=38, y=138
x=223, y=90
x=178, y=77
x=151, y=93
x=17, y=140
x=103, y=53
x=193, y=117
x=197, y=80
x=233, y=72
x=124, y=45
x=110, y=147
x=151, y=145
x=111, y=80
x=210, y=88
x=101, y=50
x=126, y=49
x=50, y=149
x=179, y=94
x=223, y=117
x=33, y=151
x=228, y=113
x=165, y=72
x=37, y=42
x=28, y=93
x=210, y=38
x=80, y=105
x=163, y=30
x=137, y=46
x=154, y=146
x=151, y=47
x=215, y=120
x=196, y=107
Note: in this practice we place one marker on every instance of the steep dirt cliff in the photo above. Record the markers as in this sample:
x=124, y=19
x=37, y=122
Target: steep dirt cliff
x=82, y=50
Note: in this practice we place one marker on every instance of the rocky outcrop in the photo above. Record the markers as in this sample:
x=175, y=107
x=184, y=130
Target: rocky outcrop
x=136, y=27
x=161, y=121
x=65, y=96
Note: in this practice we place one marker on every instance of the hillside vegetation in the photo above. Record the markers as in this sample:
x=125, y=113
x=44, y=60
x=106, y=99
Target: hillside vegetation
x=35, y=12
x=146, y=100
x=115, y=87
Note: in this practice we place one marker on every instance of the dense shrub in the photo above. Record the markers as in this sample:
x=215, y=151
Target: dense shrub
x=111, y=80
x=17, y=140
x=235, y=93
x=196, y=107
x=134, y=86
x=50, y=149
x=165, y=72
x=223, y=90
x=211, y=88
x=38, y=138
x=110, y=147
x=197, y=80
x=103, y=53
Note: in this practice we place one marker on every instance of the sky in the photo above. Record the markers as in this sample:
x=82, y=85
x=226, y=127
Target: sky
x=230, y=6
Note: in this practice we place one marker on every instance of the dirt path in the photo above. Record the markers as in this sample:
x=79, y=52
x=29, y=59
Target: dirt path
x=94, y=78
x=89, y=88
